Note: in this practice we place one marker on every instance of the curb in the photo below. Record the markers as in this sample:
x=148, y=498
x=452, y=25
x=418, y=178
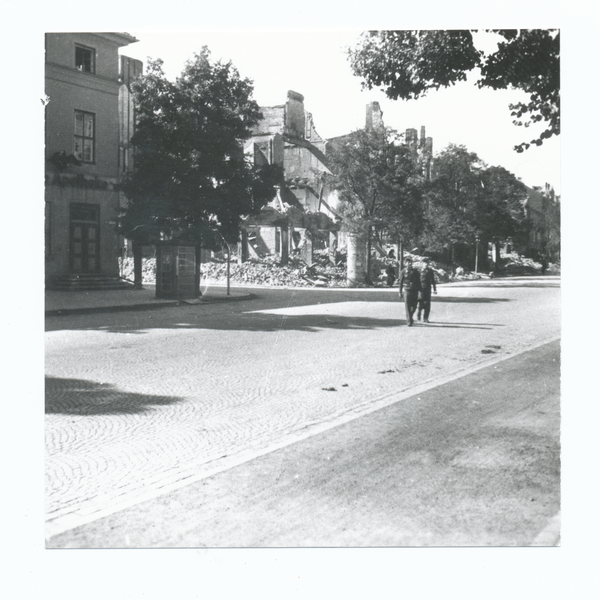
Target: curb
x=209, y=300
x=63, y=312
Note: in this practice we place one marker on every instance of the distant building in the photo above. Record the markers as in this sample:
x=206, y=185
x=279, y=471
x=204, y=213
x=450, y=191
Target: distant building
x=422, y=149
x=542, y=209
x=86, y=152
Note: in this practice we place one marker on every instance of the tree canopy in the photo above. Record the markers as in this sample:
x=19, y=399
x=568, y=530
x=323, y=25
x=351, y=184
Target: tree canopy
x=190, y=173
x=408, y=64
x=377, y=179
x=467, y=199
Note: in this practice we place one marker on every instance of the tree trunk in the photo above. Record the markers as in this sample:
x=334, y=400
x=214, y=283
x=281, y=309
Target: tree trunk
x=243, y=246
x=137, y=265
x=285, y=244
x=482, y=256
x=400, y=255
x=368, y=279
x=198, y=273
x=496, y=255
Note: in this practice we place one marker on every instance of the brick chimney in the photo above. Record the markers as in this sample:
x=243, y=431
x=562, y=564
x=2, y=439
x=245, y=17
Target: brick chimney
x=411, y=139
x=374, y=118
x=294, y=114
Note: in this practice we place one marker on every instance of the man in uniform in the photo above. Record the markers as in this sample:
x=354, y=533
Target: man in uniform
x=410, y=284
x=427, y=277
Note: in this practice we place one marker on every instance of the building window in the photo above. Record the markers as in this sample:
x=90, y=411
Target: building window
x=84, y=136
x=84, y=59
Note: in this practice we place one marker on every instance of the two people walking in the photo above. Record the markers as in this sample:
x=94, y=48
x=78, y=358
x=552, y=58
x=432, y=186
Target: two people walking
x=415, y=286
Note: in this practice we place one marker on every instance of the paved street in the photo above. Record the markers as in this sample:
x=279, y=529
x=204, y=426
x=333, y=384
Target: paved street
x=143, y=403
x=472, y=462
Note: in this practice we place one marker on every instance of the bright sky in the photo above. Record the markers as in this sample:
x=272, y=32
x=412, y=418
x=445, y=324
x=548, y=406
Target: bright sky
x=314, y=64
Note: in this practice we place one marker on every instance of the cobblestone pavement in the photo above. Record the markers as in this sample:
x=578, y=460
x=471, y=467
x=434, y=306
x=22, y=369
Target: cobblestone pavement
x=139, y=403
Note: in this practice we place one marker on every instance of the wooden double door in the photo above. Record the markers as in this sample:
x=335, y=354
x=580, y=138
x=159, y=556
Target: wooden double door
x=84, y=238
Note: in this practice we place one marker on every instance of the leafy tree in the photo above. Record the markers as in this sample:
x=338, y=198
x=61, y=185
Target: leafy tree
x=551, y=240
x=467, y=200
x=379, y=185
x=407, y=64
x=190, y=173
x=452, y=197
x=501, y=213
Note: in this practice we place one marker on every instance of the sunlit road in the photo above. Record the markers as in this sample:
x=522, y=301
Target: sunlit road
x=143, y=403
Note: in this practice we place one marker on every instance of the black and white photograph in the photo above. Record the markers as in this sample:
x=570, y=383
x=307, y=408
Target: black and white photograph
x=302, y=293
x=313, y=302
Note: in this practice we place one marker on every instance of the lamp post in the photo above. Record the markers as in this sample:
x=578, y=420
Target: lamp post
x=476, y=252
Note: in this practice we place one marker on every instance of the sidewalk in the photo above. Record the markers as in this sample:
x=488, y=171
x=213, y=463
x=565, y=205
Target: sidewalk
x=60, y=303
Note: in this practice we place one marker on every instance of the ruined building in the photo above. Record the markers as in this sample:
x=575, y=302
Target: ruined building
x=299, y=215
x=374, y=119
x=304, y=213
x=421, y=148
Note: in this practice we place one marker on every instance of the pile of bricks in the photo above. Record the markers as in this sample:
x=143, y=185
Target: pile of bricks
x=269, y=273
x=266, y=272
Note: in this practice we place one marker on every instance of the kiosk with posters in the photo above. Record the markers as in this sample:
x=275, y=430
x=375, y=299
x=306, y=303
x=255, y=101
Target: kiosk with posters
x=177, y=270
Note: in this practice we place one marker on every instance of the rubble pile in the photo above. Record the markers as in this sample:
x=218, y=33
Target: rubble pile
x=443, y=272
x=514, y=264
x=251, y=273
x=321, y=273
x=148, y=269
x=266, y=271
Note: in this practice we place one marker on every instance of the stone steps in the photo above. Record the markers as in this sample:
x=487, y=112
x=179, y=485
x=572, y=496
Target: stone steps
x=88, y=282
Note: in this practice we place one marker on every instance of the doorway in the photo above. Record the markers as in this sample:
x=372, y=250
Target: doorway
x=84, y=238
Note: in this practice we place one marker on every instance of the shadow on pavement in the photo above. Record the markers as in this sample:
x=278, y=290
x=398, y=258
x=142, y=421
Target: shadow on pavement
x=248, y=322
x=245, y=321
x=463, y=325
x=243, y=316
x=469, y=299
x=82, y=397
x=495, y=283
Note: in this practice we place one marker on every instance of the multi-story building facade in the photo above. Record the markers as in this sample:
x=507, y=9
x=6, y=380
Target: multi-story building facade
x=542, y=209
x=84, y=153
